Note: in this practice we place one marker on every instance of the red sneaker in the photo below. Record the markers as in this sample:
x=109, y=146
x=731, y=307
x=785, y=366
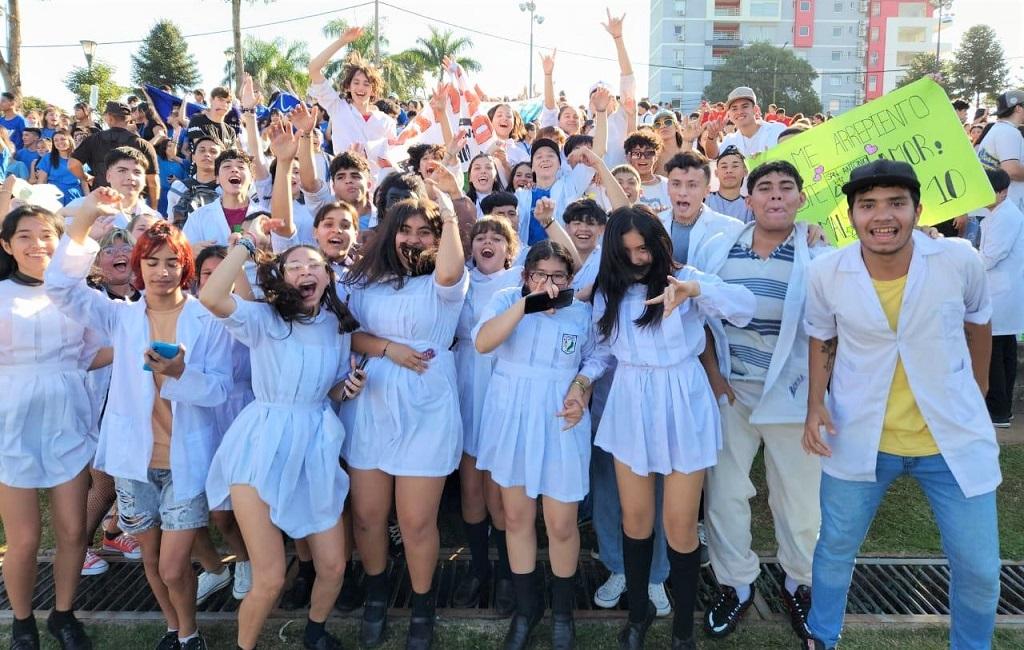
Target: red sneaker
x=124, y=544
x=93, y=565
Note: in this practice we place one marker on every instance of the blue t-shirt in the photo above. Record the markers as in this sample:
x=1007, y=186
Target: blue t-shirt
x=167, y=169
x=26, y=156
x=48, y=133
x=16, y=125
x=537, y=232
x=61, y=176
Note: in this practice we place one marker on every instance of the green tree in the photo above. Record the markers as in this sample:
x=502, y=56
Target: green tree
x=979, y=64
x=10, y=61
x=32, y=103
x=164, y=59
x=775, y=74
x=401, y=72
x=274, y=65
x=924, y=64
x=432, y=51
x=101, y=74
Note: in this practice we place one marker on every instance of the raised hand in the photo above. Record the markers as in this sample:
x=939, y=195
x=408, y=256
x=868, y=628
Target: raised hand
x=439, y=102
x=442, y=177
x=600, y=99
x=544, y=210
x=248, y=95
x=350, y=35
x=304, y=119
x=284, y=144
x=675, y=293
x=614, y=25
x=548, y=62
x=691, y=129
x=102, y=202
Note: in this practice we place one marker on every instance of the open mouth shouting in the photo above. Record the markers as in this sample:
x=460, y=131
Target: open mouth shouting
x=307, y=289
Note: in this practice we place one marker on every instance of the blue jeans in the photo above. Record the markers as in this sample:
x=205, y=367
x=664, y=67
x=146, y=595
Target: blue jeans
x=608, y=518
x=970, y=540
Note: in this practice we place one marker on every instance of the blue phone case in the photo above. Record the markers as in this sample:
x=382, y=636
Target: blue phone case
x=165, y=350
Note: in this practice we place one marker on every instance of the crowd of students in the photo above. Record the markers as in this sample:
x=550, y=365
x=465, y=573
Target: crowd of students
x=609, y=304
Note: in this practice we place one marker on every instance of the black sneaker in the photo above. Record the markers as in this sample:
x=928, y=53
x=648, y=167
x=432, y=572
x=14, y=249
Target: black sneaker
x=195, y=643
x=467, y=591
x=27, y=639
x=1001, y=421
x=725, y=612
x=71, y=635
x=633, y=635
x=799, y=606
x=396, y=546
x=297, y=596
x=326, y=642
x=352, y=595
x=169, y=641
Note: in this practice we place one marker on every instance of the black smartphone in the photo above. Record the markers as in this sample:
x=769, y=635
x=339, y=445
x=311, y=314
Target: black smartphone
x=543, y=302
x=465, y=124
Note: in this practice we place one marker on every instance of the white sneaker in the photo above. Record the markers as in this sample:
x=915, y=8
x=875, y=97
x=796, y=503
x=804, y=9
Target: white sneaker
x=608, y=594
x=656, y=592
x=210, y=583
x=243, y=580
x=93, y=565
x=595, y=554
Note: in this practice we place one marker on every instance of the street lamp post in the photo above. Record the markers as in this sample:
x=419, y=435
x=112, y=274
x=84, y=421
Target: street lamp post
x=89, y=49
x=532, y=8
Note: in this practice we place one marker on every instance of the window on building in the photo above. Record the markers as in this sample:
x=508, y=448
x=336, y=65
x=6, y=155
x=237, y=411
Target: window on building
x=837, y=32
x=805, y=5
x=873, y=57
x=835, y=80
x=872, y=83
x=805, y=30
x=833, y=105
x=677, y=82
x=680, y=57
x=680, y=6
x=912, y=10
x=764, y=8
x=838, y=6
x=678, y=31
x=876, y=8
x=874, y=34
x=836, y=55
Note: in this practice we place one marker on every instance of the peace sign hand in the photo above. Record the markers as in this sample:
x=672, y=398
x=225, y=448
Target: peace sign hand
x=675, y=293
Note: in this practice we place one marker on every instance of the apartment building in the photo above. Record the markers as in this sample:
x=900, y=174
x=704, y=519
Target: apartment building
x=898, y=30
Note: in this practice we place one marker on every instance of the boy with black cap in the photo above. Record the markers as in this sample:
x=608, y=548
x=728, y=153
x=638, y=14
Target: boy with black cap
x=902, y=320
x=1003, y=145
x=728, y=199
x=94, y=149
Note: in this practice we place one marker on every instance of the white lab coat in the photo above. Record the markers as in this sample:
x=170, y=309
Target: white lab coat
x=208, y=223
x=566, y=189
x=945, y=288
x=126, y=433
x=784, y=398
x=1002, y=253
x=709, y=224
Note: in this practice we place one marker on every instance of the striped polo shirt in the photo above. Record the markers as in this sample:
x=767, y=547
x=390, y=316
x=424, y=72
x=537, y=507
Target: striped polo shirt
x=751, y=346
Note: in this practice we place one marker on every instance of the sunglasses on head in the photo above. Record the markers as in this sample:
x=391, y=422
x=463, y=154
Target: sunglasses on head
x=664, y=121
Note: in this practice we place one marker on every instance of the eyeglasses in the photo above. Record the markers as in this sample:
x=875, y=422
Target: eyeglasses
x=297, y=267
x=645, y=154
x=117, y=250
x=665, y=121
x=558, y=279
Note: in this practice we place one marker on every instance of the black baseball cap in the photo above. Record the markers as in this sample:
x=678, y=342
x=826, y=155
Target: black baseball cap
x=894, y=173
x=119, y=109
x=1006, y=102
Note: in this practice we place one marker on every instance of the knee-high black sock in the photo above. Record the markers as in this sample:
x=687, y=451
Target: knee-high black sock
x=422, y=604
x=501, y=568
x=684, y=570
x=476, y=535
x=562, y=590
x=377, y=588
x=526, y=592
x=636, y=559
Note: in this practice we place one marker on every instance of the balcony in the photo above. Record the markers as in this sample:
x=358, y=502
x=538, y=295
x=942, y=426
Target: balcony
x=724, y=39
x=728, y=8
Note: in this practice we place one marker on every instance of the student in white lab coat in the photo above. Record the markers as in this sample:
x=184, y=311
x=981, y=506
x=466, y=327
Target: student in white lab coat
x=901, y=320
x=278, y=461
x=159, y=430
x=661, y=416
x=46, y=426
x=405, y=430
x=537, y=442
x=760, y=379
x=1002, y=253
x=494, y=246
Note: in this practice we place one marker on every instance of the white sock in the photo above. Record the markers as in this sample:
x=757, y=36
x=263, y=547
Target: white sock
x=185, y=639
x=170, y=631
x=791, y=585
x=743, y=593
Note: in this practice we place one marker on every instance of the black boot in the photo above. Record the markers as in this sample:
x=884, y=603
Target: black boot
x=632, y=636
x=467, y=591
x=563, y=628
x=421, y=622
x=688, y=644
x=375, y=612
x=529, y=610
x=68, y=631
x=504, y=590
x=25, y=634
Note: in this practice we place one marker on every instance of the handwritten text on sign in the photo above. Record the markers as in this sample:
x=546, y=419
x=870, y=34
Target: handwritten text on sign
x=915, y=124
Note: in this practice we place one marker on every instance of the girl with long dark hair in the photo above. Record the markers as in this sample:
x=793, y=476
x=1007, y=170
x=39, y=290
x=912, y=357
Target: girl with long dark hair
x=53, y=168
x=46, y=426
x=406, y=431
x=661, y=416
x=483, y=179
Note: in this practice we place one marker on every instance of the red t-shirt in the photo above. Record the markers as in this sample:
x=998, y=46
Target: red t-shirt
x=235, y=216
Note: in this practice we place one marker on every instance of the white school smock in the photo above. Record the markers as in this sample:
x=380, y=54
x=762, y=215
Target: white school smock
x=661, y=415
x=784, y=397
x=1002, y=254
x=945, y=289
x=523, y=443
x=348, y=126
x=208, y=223
x=241, y=389
x=302, y=218
x=47, y=420
x=287, y=442
x=404, y=423
x=708, y=224
x=126, y=433
x=472, y=369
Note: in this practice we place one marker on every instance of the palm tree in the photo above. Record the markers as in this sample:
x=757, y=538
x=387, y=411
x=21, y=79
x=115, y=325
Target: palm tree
x=273, y=64
x=432, y=51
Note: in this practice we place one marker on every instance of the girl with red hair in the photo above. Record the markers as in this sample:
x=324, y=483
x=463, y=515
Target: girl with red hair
x=172, y=367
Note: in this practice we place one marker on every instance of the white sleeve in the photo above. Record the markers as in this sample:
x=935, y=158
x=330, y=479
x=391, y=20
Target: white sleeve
x=548, y=117
x=1007, y=144
x=499, y=303
x=819, y=318
x=977, y=304
x=456, y=292
x=207, y=378
x=65, y=286
x=323, y=93
x=174, y=194
x=264, y=187
x=247, y=323
x=719, y=299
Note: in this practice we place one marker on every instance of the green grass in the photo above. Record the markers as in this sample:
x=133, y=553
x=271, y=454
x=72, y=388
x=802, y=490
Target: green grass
x=470, y=635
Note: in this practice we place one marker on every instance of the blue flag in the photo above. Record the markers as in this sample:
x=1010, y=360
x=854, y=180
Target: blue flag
x=164, y=103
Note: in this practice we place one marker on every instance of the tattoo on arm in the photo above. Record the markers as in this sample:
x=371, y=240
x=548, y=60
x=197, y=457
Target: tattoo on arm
x=828, y=348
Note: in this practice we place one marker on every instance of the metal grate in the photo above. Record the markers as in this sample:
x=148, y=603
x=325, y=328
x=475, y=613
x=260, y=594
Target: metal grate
x=887, y=587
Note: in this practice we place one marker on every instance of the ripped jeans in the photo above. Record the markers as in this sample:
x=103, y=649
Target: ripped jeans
x=144, y=505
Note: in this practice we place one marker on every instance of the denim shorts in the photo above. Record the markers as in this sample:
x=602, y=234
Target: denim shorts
x=144, y=505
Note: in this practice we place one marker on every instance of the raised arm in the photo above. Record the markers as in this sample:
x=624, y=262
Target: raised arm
x=495, y=331
x=599, y=101
x=283, y=144
x=305, y=121
x=252, y=136
x=616, y=195
x=548, y=64
x=216, y=293
x=544, y=213
x=451, y=259
x=317, y=63
x=614, y=29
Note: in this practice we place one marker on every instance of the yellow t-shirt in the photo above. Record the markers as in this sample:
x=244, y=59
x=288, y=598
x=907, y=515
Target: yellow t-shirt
x=904, y=432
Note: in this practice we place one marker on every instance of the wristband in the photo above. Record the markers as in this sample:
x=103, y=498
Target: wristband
x=248, y=245
x=577, y=382
x=385, y=351
x=248, y=110
x=548, y=224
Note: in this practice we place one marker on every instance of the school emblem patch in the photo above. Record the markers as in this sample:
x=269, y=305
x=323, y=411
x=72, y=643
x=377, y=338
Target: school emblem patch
x=568, y=343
